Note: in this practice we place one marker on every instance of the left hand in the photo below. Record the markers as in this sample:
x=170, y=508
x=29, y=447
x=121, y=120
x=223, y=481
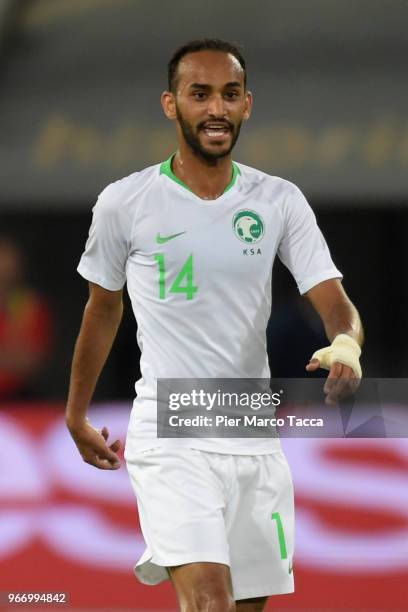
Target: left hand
x=341, y=381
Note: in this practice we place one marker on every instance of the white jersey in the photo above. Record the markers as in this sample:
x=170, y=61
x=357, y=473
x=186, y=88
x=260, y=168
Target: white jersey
x=198, y=273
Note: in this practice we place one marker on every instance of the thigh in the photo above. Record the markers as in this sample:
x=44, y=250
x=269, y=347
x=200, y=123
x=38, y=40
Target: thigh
x=181, y=507
x=260, y=527
x=203, y=586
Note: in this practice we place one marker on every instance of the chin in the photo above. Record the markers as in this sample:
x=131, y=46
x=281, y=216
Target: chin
x=215, y=155
x=217, y=151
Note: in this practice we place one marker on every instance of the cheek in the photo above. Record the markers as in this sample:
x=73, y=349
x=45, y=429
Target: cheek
x=189, y=115
x=237, y=112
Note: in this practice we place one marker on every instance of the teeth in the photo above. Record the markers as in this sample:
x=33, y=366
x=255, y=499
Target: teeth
x=214, y=132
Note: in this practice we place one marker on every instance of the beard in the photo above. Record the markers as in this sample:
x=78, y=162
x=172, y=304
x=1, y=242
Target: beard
x=192, y=138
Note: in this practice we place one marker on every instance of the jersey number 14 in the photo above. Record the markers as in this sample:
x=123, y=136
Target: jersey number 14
x=183, y=282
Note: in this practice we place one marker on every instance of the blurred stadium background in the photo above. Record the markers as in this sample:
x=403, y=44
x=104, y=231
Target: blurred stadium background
x=79, y=107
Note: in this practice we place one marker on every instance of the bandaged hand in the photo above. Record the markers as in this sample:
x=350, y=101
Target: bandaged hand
x=342, y=358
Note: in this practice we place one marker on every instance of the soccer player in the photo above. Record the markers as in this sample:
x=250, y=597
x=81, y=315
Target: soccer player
x=194, y=238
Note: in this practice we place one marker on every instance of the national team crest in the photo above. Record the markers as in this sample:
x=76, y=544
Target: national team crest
x=248, y=226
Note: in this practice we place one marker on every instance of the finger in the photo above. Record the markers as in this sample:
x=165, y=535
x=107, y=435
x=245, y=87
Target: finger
x=105, y=464
x=347, y=383
x=332, y=378
x=348, y=372
x=110, y=456
x=98, y=446
x=354, y=384
x=101, y=463
x=115, y=446
x=331, y=400
x=333, y=385
x=102, y=451
x=107, y=456
x=351, y=372
x=105, y=433
x=348, y=386
x=332, y=389
x=313, y=364
x=343, y=386
x=336, y=370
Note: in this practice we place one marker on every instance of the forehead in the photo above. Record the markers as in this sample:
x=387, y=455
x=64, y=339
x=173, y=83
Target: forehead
x=209, y=67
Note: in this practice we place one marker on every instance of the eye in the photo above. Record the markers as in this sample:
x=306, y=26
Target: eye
x=199, y=95
x=232, y=95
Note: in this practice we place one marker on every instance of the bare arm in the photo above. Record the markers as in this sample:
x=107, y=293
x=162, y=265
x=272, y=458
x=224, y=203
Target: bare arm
x=337, y=312
x=339, y=316
x=100, y=323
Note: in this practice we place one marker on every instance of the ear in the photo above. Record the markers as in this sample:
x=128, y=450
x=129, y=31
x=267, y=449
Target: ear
x=168, y=102
x=247, y=105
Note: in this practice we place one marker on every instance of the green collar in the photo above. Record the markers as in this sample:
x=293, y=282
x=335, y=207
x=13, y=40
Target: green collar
x=165, y=168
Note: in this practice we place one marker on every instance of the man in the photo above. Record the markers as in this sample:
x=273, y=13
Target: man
x=195, y=238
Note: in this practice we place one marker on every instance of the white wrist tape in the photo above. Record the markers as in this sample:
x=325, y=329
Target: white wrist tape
x=344, y=349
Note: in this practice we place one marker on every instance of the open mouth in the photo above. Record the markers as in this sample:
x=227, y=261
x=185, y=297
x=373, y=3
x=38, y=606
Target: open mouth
x=216, y=130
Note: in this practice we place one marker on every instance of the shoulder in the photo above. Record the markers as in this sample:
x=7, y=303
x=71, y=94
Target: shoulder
x=125, y=192
x=275, y=188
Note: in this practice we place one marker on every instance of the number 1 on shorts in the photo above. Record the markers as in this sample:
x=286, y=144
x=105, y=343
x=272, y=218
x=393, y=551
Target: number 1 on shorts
x=281, y=534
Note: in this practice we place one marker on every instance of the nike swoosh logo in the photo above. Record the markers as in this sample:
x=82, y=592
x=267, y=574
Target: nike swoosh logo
x=164, y=239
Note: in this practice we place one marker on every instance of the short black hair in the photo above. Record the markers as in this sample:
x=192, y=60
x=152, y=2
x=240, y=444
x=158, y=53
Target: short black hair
x=202, y=44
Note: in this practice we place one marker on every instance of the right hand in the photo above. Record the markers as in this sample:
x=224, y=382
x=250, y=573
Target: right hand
x=92, y=445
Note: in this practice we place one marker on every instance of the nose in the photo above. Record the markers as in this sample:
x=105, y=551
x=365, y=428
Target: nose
x=216, y=106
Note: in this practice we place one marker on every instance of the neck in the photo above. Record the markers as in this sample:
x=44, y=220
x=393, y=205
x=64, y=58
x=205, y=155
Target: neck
x=208, y=180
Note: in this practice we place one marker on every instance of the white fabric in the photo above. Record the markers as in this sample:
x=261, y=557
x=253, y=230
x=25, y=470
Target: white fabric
x=200, y=506
x=221, y=331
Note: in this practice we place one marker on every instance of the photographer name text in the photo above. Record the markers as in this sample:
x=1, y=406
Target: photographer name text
x=243, y=421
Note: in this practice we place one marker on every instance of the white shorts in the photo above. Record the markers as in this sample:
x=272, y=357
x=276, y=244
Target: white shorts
x=202, y=506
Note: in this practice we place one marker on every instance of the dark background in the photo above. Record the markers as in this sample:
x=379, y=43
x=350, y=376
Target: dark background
x=79, y=107
x=367, y=244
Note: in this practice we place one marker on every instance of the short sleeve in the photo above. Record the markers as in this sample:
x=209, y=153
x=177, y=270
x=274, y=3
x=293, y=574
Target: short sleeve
x=104, y=259
x=303, y=249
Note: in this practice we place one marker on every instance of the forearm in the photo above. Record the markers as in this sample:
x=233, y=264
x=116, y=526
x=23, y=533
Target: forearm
x=98, y=331
x=343, y=318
